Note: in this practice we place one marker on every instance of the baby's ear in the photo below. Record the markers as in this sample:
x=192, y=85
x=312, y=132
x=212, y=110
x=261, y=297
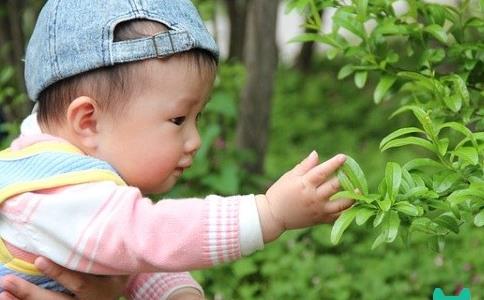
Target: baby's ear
x=82, y=120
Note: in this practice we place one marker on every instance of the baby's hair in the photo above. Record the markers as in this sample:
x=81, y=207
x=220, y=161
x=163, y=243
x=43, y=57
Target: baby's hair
x=112, y=86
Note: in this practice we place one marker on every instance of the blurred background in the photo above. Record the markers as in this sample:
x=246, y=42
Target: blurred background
x=274, y=102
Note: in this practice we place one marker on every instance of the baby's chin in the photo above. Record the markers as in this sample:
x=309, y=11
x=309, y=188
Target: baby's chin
x=153, y=189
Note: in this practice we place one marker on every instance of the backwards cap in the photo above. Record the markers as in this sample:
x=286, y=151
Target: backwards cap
x=75, y=36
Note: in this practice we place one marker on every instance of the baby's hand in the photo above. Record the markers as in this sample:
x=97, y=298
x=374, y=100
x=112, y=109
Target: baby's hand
x=300, y=197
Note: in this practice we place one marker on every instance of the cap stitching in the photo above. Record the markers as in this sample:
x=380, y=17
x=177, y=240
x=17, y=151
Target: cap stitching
x=54, y=40
x=135, y=7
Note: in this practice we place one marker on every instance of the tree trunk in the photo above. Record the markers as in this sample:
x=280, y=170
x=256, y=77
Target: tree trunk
x=14, y=9
x=261, y=62
x=237, y=10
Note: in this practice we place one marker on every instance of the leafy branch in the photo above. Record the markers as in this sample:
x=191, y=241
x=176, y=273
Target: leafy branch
x=430, y=57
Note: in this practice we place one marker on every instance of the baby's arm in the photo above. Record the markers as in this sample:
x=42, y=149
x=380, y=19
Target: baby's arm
x=102, y=228
x=114, y=230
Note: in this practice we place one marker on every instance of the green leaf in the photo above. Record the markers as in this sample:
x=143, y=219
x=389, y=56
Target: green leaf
x=469, y=194
x=393, y=222
x=415, y=192
x=398, y=133
x=341, y=224
x=355, y=175
x=448, y=222
x=422, y=116
x=443, y=144
x=363, y=215
x=479, y=219
x=407, y=208
x=351, y=195
x=389, y=230
x=328, y=39
x=382, y=88
x=467, y=154
x=362, y=6
x=453, y=102
x=385, y=204
x=345, y=181
x=444, y=181
x=407, y=182
x=345, y=71
x=380, y=239
x=437, y=32
x=393, y=177
x=410, y=141
x=460, y=86
x=427, y=82
x=423, y=163
x=360, y=78
x=460, y=128
x=348, y=20
x=388, y=27
x=379, y=218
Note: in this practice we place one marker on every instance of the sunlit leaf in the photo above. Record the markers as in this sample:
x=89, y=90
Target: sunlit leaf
x=453, y=102
x=383, y=86
x=409, y=141
x=407, y=208
x=479, y=219
x=423, y=163
x=341, y=224
x=393, y=176
x=355, y=175
x=398, y=133
x=437, y=32
x=351, y=195
x=363, y=215
x=448, y=222
x=422, y=116
x=467, y=154
x=444, y=181
x=360, y=78
x=345, y=71
x=379, y=218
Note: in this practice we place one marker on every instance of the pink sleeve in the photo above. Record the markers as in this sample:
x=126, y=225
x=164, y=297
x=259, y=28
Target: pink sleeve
x=169, y=236
x=102, y=228
x=159, y=286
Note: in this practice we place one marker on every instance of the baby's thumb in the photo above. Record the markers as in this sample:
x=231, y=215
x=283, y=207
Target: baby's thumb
x=307, y=164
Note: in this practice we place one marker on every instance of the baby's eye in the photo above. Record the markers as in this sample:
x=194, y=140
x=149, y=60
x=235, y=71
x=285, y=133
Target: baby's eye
x=178, y=120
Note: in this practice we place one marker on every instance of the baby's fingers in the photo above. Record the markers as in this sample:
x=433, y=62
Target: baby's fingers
x=337, y=206
x=320, y=173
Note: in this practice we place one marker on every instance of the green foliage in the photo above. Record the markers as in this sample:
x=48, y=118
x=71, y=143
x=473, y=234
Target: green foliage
x=10, y=100
x=429, y=57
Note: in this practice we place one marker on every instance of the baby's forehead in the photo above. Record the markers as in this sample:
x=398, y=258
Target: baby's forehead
x=180, y=82
x=180, y=67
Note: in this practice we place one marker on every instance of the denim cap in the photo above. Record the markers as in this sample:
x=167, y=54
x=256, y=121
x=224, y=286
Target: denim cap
x=75, y=36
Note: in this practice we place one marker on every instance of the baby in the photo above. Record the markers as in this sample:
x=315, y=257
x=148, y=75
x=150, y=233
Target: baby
x=119, y=87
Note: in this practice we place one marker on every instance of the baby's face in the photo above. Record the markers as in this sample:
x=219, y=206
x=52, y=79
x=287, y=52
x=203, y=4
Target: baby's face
x=155, y=140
